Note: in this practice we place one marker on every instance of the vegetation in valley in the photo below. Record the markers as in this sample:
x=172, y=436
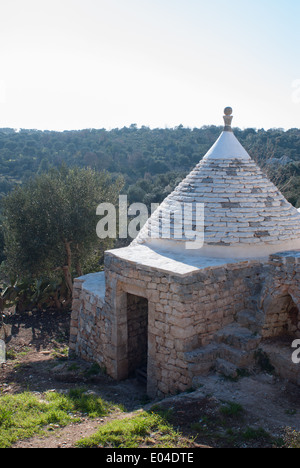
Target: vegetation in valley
x=141, y=155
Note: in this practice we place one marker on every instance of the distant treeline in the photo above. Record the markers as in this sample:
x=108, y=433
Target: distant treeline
x=151, y=161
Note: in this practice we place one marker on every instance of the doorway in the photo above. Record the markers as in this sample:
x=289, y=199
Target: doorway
x=137, y=336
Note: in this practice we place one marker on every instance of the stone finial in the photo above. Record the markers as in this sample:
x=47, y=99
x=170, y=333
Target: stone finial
x=228, y=119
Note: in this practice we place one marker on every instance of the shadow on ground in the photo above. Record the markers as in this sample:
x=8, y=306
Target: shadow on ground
x=37, y=328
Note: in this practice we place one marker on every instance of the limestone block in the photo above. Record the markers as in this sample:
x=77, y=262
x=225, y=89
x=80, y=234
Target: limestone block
x=178, y=332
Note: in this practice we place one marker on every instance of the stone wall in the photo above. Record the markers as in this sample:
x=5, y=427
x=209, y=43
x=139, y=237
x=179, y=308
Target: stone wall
x=280, y=298
x=219, y=294
x=90, y=333
x=184, y=313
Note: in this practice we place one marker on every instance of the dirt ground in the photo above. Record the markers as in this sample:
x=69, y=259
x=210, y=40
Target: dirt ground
x=37, y=349
x=37, y=361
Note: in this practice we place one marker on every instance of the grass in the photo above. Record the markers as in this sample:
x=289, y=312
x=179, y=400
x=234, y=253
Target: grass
x=227, y=428
x=12, y=355
x=60, y=354
x=95, y=369
x=255, y=434
x=143, y=430
x=219, y=434
x=203, y=425
x=291, y=412
x=231, y=409
x=26, y=414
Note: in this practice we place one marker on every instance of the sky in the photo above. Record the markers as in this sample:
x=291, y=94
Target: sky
x=75, y=64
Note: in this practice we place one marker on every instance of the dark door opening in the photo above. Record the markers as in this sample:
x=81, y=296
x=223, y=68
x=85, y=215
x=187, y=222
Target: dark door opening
x=137, y=326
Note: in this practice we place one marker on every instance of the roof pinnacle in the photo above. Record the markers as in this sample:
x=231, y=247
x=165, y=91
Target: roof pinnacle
x=227, y=119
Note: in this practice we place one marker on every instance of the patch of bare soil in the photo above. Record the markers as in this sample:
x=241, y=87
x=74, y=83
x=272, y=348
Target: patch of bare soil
x=37, y=352
x=67, y=437
x=260, y=406
x=253, y=411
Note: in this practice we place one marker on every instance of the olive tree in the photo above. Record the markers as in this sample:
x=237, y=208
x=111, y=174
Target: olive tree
x=50, y=222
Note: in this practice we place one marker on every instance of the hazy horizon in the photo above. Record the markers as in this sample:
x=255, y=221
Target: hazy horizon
x=144, y=126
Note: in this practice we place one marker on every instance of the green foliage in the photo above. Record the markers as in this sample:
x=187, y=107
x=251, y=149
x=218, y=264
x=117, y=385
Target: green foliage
x=40, y=293
x=231, y=409
x=51, y=211
x=78, y=400
x=153, y=189
x=2, y=256
x=146, y=429
x=95, y=369
x=137, y=153
x=255, y=434
x=50, y=228
x=25, y=414
x=130, y=151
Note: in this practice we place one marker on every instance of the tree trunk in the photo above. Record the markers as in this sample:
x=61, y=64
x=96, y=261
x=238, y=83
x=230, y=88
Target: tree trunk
x=3, y=333
x=78, y=269
x=57, y=302
x=67, y=268
x=78, y=265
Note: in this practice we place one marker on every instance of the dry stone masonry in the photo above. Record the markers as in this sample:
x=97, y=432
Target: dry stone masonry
x=248, y=209
x=180, y=314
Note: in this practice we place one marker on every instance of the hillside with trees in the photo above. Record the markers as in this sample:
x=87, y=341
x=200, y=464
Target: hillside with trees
x=151, y=161
x=52, y=182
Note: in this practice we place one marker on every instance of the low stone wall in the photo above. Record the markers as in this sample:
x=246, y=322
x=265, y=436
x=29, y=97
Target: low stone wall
x=90, y=333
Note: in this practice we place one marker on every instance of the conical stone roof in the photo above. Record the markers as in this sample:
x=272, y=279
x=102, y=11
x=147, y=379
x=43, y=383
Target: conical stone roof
x=245, y=215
